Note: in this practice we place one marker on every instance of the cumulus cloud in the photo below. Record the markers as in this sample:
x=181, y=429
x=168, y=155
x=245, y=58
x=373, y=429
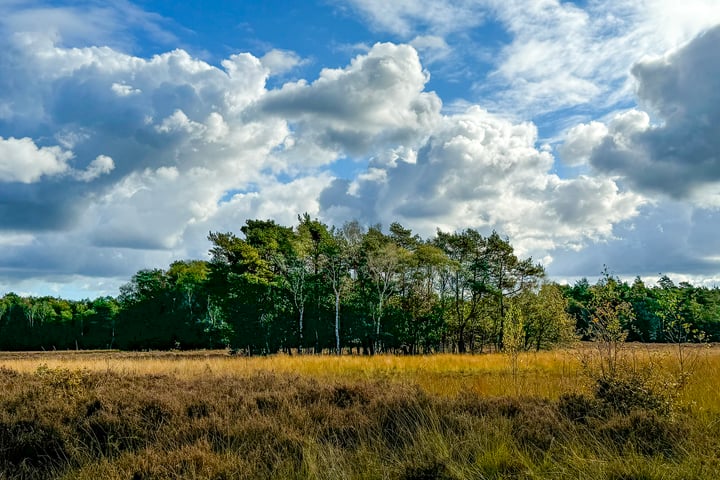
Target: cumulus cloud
x=678, y=155
x=479, y=170
x=668, y=237
x=378, y=99
x=133, y=160
x=580, y=141
x=180, y=147
x=100, y=166
x=279, y=62
x=23, y=161
x=117, y=115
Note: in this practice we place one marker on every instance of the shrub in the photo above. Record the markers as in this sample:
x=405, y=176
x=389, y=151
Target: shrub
x=630, y=390
x=31, y=443
x=345, y=396
x=198, y=410
x=580, y=408
x=426, y=470
x=645, y=432
x=537, y=427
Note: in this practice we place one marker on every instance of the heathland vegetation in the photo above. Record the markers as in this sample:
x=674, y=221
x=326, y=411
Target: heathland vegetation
x=209, y=415
x=314, y=288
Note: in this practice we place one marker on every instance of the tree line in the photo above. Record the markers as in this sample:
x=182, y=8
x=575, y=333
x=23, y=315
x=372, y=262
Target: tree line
x=313, y=288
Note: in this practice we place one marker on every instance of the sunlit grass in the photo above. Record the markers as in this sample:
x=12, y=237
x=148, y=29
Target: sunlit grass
x=545, y=374
x=166, y=415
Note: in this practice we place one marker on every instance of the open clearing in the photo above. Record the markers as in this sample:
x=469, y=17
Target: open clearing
x=209, y=415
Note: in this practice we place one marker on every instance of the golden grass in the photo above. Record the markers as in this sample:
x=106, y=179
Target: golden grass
x=207, y=415
x=546, y=374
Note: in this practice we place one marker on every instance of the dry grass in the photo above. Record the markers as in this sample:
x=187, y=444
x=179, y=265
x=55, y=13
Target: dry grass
x=207, y=415
x=546, y=374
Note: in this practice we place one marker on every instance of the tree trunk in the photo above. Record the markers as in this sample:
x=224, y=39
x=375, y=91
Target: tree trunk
x=337, y=321
x=300, y=325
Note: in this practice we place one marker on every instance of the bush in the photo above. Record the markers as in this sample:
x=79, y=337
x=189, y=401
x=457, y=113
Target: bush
x=579, y=408
x=427, y=470
x=538, y=427
x=645, y=432
x=631, y=390
x=31, y=443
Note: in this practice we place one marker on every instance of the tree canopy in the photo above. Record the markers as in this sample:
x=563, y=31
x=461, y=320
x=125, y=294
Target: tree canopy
x=312, y=287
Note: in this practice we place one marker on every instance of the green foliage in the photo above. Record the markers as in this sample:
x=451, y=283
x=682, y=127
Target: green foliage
x=314, y=287
x=47, y=323
x=607, y=329
x=667, y=312
x=164, y=309
x=547, y=323
x=514, y=337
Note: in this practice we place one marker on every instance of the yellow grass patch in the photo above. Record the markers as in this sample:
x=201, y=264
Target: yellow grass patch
x=546, y=374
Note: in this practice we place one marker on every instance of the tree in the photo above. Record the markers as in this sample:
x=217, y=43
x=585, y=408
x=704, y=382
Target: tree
x=238, y=283
x=677, y=308
x=579, y=297
x=97, y=323
x=423, y=299
x=383, y=265
x=610, y=315
x=321, y=242
x=547, y=322
x=335, y=268
x=467, y=278
x=145, y=303
x=297, y=270
x=647, y=325
x=508, y=276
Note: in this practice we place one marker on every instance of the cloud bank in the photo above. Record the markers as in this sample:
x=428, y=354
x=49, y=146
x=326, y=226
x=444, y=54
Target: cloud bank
x=678, y=155
x=112, y=162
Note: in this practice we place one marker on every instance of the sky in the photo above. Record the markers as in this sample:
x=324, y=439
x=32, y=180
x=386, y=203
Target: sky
x=587, y=132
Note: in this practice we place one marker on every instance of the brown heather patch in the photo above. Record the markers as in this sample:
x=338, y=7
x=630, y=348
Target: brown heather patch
x=207, y=416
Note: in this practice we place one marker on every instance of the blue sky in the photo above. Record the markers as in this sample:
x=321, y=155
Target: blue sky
x=585, y=131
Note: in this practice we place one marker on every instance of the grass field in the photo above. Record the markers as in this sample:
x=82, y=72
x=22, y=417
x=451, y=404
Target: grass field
x=213, y=416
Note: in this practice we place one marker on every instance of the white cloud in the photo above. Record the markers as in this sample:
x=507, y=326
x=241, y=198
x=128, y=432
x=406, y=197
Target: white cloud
x=178, y=122
x=123, y=90
x=155, y=152
x=94, y=23
x=279, y=62
x=482, y=171
x=563, y=55
x=23, y=161
x=668, y=237
x=432, y=48
x=15, y=239
x=558, y=54
x=156, y=143
x=379, y=98
x=580, y=141
x=102, y=165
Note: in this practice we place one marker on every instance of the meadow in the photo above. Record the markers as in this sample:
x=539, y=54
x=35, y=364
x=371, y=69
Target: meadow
x=209, y=415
